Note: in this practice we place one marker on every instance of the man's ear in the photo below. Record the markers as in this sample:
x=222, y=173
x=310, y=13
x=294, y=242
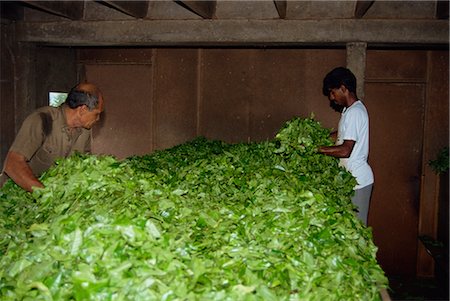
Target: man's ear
x=343, y=89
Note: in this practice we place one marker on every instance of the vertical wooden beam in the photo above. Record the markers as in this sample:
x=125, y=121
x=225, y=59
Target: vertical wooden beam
x=362, y=6
x=8, y=78
x=154, y=83
x=356, y=62
x=199, y=99
x=281, y=6
x=25, y=99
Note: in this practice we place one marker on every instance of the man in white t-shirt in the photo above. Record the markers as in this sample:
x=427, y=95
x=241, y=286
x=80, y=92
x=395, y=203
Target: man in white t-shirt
x=352, y=141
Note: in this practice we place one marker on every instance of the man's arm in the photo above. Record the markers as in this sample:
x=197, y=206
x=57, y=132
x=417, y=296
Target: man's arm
x=338, y=151
x=17, y=168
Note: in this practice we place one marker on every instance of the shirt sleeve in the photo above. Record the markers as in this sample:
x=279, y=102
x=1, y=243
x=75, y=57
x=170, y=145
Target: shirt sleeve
x=353, y=122
x=30, y=136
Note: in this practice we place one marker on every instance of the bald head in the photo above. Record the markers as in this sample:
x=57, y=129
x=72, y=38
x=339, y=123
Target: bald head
x=84, y=94
x=88, y=88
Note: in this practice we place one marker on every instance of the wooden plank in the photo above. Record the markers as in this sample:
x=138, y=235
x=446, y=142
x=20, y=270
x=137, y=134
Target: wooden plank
x=137, y=9
x=205, y=9
x=69, y=9
x=362, y=6
x=281, y=6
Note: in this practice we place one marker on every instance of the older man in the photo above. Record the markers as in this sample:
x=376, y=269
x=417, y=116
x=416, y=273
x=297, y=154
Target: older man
x=50, y=133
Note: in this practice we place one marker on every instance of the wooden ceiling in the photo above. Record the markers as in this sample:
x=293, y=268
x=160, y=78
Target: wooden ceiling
x=223, y=9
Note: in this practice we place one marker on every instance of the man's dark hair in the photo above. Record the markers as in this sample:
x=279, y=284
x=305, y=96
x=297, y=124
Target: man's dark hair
x=337, y=77
x=78, y=98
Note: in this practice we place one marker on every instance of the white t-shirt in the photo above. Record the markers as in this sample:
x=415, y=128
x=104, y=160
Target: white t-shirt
x=354, y=125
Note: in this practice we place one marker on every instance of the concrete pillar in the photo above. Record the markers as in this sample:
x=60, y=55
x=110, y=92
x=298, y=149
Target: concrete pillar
x=356, y=62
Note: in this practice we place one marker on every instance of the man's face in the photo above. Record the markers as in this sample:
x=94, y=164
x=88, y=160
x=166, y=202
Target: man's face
x=89, y=118
x=336, y=96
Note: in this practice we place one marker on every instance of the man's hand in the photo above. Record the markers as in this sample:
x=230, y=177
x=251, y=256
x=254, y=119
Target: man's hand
x=17, y=168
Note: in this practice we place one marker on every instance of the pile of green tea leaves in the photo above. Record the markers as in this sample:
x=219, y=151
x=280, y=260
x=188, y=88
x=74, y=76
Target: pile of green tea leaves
x=204, y=220
x=441, y=163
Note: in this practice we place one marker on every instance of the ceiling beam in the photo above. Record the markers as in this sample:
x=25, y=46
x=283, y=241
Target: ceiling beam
x=361, y=8
x=281, y=6
x=234, y=32
x=73, y=10
x=137, y=9
x=205, y=9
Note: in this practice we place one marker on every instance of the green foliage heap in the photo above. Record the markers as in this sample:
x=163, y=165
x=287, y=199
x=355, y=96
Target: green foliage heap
x=441, y=163
x=204, y=220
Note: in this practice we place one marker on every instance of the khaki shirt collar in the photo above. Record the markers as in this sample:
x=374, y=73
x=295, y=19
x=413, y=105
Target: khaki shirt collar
x=64, y=126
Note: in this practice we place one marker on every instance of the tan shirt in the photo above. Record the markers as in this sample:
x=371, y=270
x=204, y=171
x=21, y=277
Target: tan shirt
x=45, y=137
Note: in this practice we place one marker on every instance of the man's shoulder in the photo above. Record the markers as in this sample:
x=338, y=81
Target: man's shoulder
x=358, y=107
x=49, y=117
x=356, y=112
x=49, y=111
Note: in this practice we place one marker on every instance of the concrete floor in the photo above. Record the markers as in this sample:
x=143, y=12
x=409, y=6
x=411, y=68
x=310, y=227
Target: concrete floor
x=420, y=289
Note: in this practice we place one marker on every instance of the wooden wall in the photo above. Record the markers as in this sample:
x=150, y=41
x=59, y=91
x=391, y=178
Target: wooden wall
x=7, y=103
x=170, y=96
x=396, y=99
